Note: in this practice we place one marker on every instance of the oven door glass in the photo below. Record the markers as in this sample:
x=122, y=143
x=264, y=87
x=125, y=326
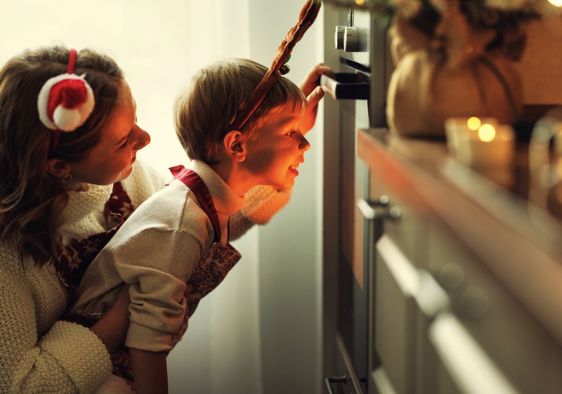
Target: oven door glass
x=353, y=275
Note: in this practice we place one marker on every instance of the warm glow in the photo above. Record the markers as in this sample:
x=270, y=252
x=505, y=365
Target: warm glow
x=359, y=2
x=473, y=123
x=557, y=3
x=486, y=132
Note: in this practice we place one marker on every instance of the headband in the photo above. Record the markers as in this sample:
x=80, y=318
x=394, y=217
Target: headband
x=278, y=67
x=65, y=102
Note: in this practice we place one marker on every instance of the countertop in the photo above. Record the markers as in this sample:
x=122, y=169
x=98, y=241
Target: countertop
x=513, y=225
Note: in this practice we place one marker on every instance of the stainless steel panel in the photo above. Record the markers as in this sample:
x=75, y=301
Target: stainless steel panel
x=502, y=328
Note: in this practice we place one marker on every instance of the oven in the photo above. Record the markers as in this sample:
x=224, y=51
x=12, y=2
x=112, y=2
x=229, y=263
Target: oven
x=358, y=93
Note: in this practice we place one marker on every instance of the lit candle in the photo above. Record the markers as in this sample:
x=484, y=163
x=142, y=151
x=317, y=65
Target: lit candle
x=480, y=142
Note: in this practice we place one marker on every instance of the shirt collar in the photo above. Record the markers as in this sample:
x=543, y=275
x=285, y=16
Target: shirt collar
x=226, y=201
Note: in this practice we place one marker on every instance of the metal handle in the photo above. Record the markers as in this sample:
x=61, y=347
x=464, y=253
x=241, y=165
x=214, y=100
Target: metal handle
x=346, y=86
x=401, y=268
x=467, y=363
x=430, y=297
x=382, y=382
x=334, y=379
x=378, y=209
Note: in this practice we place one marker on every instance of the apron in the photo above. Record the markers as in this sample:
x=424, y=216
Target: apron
x=216, y=262
x=211, y=269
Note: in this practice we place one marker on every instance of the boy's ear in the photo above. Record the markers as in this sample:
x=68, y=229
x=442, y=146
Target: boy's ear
x=58, y=168
x=235, y=145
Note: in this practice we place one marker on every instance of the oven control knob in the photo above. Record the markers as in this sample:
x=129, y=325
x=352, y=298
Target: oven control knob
x=355, y=39
x=338, y=37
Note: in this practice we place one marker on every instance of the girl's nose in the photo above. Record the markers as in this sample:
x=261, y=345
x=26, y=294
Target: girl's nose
x=142, y=138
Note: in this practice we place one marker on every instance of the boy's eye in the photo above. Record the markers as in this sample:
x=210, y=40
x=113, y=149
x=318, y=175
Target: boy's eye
x=290, y=133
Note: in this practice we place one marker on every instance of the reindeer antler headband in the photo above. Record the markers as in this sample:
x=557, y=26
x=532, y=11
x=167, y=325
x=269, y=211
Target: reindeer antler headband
x=65, y=102
x=278, y=67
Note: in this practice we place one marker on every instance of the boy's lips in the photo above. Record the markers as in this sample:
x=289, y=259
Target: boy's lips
x=294, y=168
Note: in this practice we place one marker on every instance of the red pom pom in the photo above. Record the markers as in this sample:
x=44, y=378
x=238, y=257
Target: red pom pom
x=65, y=102
x=70, y=93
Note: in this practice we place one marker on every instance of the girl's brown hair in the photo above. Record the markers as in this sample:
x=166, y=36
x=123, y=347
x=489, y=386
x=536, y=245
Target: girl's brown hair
x=32, y=200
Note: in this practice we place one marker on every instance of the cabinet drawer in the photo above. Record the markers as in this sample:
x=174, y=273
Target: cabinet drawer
x=395, y=280
x=525, y=353
x=408, y=228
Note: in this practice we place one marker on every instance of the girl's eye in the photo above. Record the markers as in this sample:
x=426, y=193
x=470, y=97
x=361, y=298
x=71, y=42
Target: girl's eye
x=124, y=143
x=290, y=133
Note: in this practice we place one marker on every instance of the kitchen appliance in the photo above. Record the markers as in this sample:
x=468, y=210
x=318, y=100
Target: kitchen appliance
x=419, y=292
x=359, y=90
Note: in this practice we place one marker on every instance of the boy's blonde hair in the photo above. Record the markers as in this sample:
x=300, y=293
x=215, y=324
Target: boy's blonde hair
x=204, y=113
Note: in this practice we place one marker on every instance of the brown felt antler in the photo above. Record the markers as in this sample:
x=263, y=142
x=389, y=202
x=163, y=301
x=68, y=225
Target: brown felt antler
x=307, y=16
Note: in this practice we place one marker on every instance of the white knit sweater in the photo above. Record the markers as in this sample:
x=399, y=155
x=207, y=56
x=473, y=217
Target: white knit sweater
x=40, y=353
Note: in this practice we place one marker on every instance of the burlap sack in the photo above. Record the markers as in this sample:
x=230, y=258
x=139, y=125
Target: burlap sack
x=448, y=76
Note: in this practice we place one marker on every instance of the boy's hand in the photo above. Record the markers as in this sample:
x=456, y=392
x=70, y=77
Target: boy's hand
x=112, y=328
x=314, y=93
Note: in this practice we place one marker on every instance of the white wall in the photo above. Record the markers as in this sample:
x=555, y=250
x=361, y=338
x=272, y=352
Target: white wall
x=289, y=279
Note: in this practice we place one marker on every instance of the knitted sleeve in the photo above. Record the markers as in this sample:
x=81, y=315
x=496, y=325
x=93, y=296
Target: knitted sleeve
x=66, y=359
x=260, y=204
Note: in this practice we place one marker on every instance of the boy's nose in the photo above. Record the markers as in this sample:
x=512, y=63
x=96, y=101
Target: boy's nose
x=303, y=143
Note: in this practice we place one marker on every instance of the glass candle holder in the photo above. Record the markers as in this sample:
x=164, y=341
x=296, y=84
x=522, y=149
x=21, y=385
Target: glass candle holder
x=480, y=142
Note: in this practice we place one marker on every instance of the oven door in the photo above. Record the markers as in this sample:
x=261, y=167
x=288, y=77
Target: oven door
x=356, y=236
x=360, y=105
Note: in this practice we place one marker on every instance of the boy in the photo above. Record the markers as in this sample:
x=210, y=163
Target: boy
x=174, y=249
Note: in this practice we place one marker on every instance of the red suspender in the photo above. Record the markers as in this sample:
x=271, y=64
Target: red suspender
x=198, y=187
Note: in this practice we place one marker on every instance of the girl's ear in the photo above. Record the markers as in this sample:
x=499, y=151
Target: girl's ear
x=58, y=168
x=235, y=145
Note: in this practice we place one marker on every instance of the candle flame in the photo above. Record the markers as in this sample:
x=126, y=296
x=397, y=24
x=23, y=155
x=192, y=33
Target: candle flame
x=486, y=132
x=359, y=2
x=556, y=3
x=473, y=123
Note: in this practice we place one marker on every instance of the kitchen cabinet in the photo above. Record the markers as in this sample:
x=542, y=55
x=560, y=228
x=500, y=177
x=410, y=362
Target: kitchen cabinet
x=465, y=278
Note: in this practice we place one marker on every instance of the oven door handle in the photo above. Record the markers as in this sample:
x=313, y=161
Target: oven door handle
x=346, y=86
x=380, y=208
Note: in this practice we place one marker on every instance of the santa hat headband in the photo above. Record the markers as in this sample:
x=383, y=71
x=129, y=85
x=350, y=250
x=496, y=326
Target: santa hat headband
x=65, y=102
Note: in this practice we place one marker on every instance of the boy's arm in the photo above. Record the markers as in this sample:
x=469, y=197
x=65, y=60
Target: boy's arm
x=157, y=262
x=150, y=371
x=112, y=327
